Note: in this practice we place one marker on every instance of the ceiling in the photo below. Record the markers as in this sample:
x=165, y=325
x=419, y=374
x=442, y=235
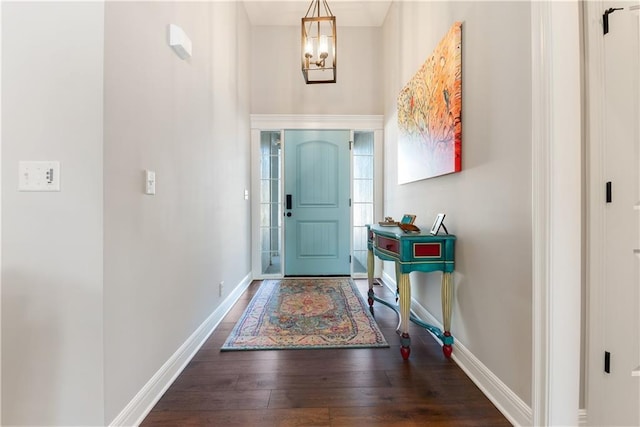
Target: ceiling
x=348, y=13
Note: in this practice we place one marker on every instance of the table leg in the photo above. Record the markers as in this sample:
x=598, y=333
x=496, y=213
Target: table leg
x=404, y=288
x=446, y=296
x=370, y=267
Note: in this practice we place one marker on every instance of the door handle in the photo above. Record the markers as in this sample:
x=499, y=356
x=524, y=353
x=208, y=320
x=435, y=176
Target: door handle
x=288, y=214
x=289, y=198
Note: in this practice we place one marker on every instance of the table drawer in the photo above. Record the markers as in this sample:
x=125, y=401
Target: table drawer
x=427, y=250
x=388, y=244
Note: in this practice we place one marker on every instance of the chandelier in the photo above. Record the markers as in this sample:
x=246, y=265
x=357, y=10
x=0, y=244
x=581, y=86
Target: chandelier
x=319, y=44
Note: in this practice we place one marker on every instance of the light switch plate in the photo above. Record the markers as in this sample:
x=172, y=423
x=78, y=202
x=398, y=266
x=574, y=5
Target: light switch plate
x=39, y=176
x=149, y=182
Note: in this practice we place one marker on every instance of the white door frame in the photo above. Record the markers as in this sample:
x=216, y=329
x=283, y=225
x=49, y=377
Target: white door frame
x=595, y=272
x=1, y=265
x=557, y=213
x=278, y=122
x=594, y=129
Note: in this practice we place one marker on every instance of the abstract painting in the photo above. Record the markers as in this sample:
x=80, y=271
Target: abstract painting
x=429, y=114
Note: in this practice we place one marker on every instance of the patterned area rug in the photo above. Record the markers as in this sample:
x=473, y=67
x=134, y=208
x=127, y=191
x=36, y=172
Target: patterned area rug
x=306, y=313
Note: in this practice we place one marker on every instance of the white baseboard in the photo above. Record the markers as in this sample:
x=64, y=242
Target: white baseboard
x=505, y=400
x=582, y=417
x=512, y=407
x=142, y=403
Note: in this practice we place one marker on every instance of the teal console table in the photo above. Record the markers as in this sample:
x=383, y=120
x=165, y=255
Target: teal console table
x=413, y=252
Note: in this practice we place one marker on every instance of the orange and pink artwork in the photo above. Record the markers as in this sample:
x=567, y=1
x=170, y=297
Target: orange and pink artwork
x=429, y=114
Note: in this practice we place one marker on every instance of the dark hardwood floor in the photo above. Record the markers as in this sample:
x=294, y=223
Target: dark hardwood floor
x=350, y=387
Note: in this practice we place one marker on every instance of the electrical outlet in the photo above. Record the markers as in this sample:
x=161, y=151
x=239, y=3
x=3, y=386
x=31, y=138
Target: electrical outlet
x=221, y=288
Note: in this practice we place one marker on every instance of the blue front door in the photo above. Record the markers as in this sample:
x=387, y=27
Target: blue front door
x=317, y=212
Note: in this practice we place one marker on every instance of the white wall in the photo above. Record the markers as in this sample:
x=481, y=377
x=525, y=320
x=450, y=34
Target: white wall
x=165, y=255
x=100, y=283
x=279, y=88
x=488, y=204
x=52, y=107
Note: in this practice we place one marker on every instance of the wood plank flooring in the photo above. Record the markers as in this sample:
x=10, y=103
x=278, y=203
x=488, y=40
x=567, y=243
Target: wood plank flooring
x=345, y=387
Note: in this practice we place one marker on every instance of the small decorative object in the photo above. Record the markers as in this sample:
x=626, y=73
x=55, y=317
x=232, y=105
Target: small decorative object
x=388, y=222
x=408, y=228
x=437, y=224
x=179, y=41
x=408, y=219
x=430, y=114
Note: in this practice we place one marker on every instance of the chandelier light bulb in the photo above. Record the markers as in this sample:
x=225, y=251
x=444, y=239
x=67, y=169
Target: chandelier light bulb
x=323, y=48
x=308, y=49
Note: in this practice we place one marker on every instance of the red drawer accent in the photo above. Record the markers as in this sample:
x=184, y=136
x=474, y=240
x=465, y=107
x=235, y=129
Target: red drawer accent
x=390, y=245
x=431, y=250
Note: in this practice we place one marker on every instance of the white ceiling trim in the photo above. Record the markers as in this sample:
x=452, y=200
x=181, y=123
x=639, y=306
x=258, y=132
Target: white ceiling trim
x=348, y=13
x=316, y=121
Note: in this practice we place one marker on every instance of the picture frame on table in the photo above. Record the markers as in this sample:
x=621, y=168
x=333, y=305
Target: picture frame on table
x=437, y=224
